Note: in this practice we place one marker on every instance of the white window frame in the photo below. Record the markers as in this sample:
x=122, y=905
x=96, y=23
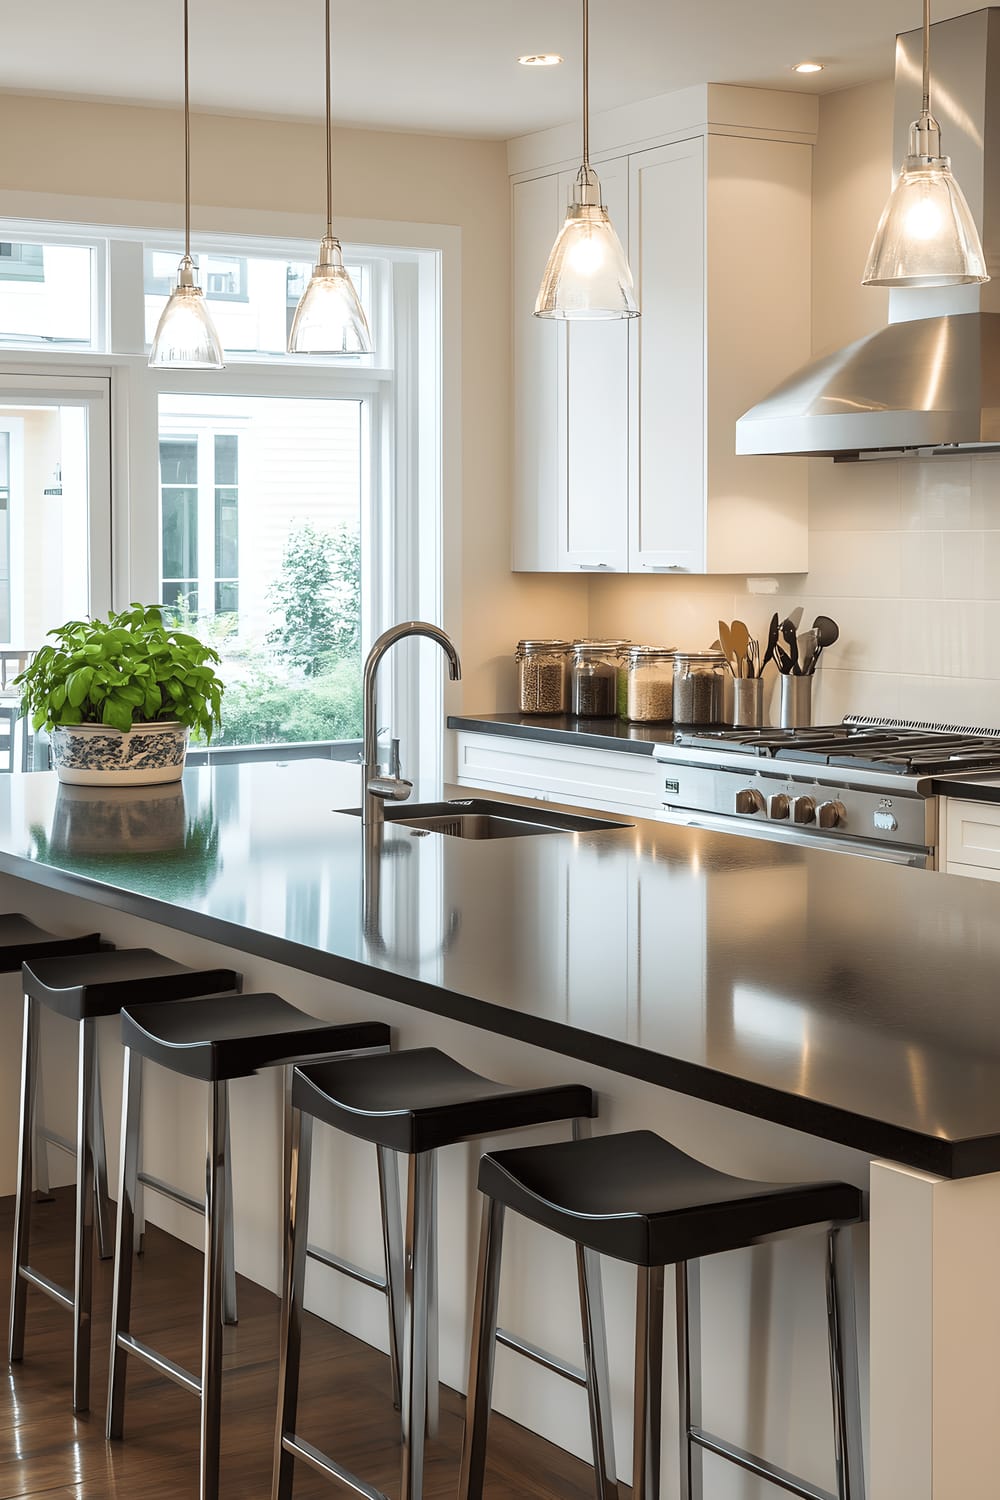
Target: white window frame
x=414, y=448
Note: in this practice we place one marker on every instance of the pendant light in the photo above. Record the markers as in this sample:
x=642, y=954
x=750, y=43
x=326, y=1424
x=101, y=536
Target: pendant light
x=185, y=336
x=587, y=275
x=926, y=235
x=329, y=318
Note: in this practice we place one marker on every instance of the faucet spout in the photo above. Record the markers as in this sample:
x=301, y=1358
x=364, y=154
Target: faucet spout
x=376, y=787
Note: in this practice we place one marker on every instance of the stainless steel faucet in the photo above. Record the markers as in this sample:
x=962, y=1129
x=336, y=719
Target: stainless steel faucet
x=377, y=786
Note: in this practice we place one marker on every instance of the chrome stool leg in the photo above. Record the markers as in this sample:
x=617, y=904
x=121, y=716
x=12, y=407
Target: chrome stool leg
x=484, y=1342
x=230, y=1315
x=105, y=1217
x=83, y=1273
x=215, y=1267
x=688, y=1298
x=22, y=1206
x=392, y=1243
x=648, y=1383
x=419, y=1199
x=595, y=1351
x=842, y=1326
x=292, y=1301
x=43, y=1189
x=128, y=1183
x=432, y=1358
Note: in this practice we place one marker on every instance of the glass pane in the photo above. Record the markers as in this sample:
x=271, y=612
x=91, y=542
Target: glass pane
x=279, y=499
x=180, y=595
x=44, y=526
x=253, y=299
x=179, y=508
x=46, y=292
x=179, y=461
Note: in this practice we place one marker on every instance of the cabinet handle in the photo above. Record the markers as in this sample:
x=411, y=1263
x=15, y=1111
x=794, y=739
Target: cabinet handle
x=596, y=568
x=665, y=567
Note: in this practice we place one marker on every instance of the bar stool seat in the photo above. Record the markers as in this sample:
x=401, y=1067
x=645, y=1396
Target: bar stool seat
x=421, y=1099
x=99, y=984
x=214, y=1040
x=637, y=1198
x=640, y=1199
x=83, y=989
x=412, y=1103
x=22, y=939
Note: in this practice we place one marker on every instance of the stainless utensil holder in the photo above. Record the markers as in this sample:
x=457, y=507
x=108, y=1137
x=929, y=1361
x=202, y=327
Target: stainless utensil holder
x=795, y=705
x=748, y=703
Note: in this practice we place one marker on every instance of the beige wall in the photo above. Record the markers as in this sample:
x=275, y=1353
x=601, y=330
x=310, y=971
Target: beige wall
x=113, y=152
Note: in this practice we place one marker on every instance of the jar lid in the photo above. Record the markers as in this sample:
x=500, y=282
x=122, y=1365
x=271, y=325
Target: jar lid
x=649, y=653
x=598, y=648
x=543, y=645
x=615, y=641
x=705, y=656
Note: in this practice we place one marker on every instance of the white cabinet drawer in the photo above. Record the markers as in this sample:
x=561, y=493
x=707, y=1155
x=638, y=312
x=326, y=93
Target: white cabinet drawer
x=972, y=834
x=977, y=872
x=611, y=780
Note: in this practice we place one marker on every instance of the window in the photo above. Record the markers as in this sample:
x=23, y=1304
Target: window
x=21, y=262
x=5, y=536
x=46, y=294
x=223, y=278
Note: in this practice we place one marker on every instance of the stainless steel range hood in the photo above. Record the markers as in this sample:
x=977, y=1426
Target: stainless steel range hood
x=930, y=382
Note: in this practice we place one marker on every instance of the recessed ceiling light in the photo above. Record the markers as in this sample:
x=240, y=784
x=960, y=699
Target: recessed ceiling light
x=808, y=67
x=540, y=60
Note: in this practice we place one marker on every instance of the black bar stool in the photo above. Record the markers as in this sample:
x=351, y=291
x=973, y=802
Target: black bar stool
x=639, y=1199
x=411, y=1103
x=214, y=1040
x=83, y=989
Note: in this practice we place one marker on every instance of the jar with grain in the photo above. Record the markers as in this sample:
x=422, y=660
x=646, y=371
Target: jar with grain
x=543, y=677
x=650, y=684
x=621, y=648
x=594, y=680
x=699, y=687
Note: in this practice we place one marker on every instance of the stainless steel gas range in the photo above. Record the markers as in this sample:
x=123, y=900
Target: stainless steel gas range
x=864, y=786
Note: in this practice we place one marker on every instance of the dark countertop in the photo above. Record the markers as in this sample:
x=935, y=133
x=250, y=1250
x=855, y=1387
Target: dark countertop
x=596, y=734
x=968, y=788
x=853, y=1000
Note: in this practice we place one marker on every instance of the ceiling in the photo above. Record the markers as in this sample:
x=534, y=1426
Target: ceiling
x=442, y=65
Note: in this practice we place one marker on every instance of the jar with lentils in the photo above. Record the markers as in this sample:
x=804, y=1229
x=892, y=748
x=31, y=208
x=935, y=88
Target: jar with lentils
x=650, y=684
x=543, y=677
x=699, y=685
x=594, y=680
x=621, y=647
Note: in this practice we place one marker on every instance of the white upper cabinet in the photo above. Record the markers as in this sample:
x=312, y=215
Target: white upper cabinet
x=625, y=430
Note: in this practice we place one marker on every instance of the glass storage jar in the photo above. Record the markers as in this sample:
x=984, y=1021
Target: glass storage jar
x=543, y=677
x=650, y=680
x=621, y=647
x=699, y=687
x=594, y=680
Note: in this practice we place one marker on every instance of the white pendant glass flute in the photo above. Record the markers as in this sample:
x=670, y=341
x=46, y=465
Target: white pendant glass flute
x=329, y=318
x=587, y=275
x=185, y=336
x=926, y=235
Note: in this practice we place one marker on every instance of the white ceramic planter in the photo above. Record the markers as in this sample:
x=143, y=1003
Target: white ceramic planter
x=94, y=755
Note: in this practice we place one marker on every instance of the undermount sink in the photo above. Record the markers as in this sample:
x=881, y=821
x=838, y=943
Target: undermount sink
x=480, y=818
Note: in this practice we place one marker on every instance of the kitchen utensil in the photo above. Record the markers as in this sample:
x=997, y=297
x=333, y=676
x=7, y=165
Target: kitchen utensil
x=754, y=657
x=772, y=641
x=791, y=641
x=795, y=703
x=827, y=631
x=740, y=637
x=783, y=659
x=808, y=651
x=728, y=649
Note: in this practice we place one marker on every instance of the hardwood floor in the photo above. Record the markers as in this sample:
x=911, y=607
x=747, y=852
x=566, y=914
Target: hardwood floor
x=345, y=1406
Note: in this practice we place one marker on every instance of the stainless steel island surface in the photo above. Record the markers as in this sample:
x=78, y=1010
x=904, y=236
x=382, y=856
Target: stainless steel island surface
x=687, y=975
x=849, y=999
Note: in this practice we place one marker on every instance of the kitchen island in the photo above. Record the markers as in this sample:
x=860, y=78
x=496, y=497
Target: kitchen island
x=779, y=1011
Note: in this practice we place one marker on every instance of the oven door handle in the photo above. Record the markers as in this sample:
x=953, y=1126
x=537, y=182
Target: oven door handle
x=721, y=823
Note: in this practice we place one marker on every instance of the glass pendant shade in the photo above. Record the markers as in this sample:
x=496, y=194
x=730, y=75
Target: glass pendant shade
x=185, y=336
x=587, y=275
x=926, y=235
x=329, y=318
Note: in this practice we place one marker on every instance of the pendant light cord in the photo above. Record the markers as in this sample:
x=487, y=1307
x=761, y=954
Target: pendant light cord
x=586, y=84
x=187, y=139
x=927, y=57
x=329, y=133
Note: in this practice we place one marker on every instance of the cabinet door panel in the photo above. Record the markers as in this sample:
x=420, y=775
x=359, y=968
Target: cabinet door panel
x=537, y=210
x=667, y=242
x=595, y=526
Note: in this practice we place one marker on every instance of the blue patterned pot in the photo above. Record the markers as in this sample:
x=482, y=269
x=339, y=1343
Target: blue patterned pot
x=94, y=755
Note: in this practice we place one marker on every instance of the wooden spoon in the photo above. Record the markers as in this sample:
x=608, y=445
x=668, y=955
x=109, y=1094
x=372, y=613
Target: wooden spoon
x=740, y=636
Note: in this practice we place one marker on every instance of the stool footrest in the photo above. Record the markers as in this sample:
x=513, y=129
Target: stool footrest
x=45, y=1284
x=541, y=1357
x=759, y=1466
x=328, y=1466
x=186, y=1200
x=160, y=1362
x=348, y=1268
x=62, y=1142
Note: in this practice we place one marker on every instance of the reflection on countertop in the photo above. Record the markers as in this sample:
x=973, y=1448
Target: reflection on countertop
x=848, y=998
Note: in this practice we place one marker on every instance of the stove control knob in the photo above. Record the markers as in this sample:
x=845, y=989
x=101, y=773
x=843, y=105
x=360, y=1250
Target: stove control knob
x=831, y=814
x=777, y=806
x=803, y=809
x=749, y=800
